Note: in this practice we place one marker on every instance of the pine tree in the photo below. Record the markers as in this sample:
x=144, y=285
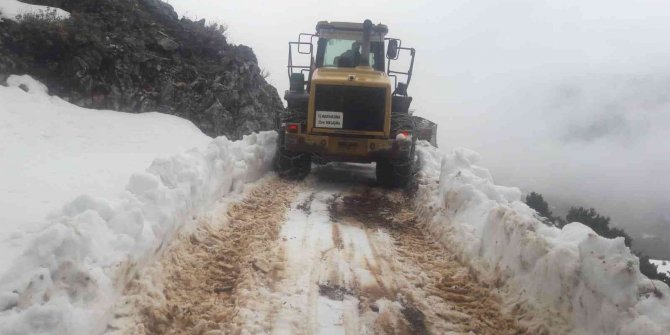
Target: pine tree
x=599, y=224
x=536, y=202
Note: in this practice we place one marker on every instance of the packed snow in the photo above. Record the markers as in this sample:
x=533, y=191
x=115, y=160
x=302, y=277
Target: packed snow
x=11, y=9
x=61, y=273
x=569, y=280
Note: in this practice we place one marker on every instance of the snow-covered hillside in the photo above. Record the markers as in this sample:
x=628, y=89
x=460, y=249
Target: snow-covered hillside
x=84, y=199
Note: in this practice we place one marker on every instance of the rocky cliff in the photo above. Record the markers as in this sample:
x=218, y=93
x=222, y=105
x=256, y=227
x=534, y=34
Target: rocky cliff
x=138, y=56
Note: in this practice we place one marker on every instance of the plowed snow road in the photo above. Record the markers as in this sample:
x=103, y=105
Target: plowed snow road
x=331, y=255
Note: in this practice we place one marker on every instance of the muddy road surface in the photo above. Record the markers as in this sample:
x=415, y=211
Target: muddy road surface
x=333, y=254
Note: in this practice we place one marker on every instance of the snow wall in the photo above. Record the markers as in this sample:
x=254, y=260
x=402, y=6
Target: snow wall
x=561, y=281
x=72, y=272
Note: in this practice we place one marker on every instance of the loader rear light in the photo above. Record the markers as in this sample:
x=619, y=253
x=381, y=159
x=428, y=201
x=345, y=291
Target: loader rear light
x=292, y=127
x=403, y=135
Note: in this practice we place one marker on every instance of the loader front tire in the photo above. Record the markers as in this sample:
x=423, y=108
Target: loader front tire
x=398, y=172
x=291, y=165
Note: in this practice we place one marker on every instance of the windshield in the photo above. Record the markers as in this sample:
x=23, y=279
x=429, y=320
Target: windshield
x=345, y=53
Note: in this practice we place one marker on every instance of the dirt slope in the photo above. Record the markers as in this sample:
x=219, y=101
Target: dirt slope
x=320, y=257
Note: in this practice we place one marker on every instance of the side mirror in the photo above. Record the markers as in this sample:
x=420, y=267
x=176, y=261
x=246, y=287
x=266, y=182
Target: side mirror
x=392, y=51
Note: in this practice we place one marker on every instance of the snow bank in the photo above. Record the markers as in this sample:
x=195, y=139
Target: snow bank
x=52, y=151
x=566, y=280
x=73, y=268
x=10, y=9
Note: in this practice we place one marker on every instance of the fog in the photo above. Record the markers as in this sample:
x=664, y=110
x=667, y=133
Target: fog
x=567, y=98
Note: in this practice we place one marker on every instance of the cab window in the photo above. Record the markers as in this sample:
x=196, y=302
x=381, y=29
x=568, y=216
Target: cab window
x=346, y=53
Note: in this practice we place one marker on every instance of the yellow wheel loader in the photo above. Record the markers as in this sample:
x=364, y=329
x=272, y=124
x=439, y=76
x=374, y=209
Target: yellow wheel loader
x=348, y=105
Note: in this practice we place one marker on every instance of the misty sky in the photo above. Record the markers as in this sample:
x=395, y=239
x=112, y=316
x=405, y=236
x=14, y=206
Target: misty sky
x=568, y=98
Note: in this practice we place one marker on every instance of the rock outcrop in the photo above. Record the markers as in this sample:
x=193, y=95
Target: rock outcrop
x=138, y=56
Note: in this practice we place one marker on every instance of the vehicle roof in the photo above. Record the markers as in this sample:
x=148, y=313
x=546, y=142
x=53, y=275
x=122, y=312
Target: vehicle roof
x=349, y=26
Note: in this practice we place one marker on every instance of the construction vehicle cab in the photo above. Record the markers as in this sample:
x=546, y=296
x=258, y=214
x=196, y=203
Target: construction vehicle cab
x=347, y=104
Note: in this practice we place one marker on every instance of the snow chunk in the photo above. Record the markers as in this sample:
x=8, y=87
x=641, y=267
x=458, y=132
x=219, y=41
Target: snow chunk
x=141, y=183
x=27, y=83
x=85, y=202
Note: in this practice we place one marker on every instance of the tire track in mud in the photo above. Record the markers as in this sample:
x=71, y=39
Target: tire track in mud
x=203, y=278
x=436, y=293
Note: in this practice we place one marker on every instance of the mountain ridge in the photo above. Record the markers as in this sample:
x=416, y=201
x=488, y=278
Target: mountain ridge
x=139, y=56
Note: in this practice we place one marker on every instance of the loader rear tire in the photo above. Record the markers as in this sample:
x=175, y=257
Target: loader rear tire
x=395, y=173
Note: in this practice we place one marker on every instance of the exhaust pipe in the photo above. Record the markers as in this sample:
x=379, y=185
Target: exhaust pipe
x=365, y=47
